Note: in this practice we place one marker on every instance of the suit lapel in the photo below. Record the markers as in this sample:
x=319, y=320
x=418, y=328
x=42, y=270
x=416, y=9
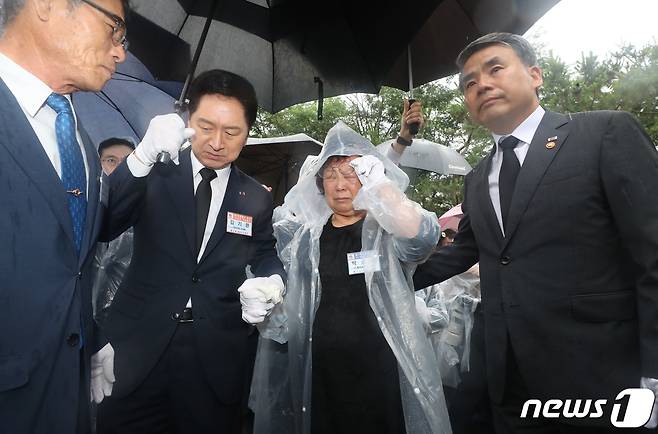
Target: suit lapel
x=180, y=184
x=93, y=201
x=25, y=148
x=536, y=162
x=230, y=203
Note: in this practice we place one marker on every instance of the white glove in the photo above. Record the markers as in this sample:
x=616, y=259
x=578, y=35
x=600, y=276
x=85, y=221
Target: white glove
x=369, y=169
x=102, y=373
x=258, y=297
x=423, y=312
x=166, y=133
x=651, y=384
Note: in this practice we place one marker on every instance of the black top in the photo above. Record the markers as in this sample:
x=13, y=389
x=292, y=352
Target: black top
x=355, y=374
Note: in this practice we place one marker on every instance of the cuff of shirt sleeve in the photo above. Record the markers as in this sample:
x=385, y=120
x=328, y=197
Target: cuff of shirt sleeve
x=137, y=168
x=393, y=155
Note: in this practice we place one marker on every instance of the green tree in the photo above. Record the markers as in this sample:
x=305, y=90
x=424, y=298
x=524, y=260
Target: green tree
x=624, y=80
x=301, y=118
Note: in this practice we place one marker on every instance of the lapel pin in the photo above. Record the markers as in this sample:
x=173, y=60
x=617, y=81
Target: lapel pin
x=551, y=142
x=242, y=193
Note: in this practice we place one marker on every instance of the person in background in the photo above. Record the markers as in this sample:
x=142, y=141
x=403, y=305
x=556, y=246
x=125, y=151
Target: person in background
x=113, y=151
x=447, y=237
x=112, y=259
x=51, y=210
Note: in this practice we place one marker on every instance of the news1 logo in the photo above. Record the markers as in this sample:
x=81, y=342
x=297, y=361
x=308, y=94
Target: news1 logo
x=631, y=409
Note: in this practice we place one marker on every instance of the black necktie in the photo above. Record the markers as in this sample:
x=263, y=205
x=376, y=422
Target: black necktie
x=508, y=173
x=202, y=201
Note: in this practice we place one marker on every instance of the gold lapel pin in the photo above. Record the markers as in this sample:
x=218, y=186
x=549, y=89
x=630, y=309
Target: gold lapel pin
x=551, y=142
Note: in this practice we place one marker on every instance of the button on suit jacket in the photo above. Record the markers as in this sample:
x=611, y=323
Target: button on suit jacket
x=45, y=287
x=573, y=287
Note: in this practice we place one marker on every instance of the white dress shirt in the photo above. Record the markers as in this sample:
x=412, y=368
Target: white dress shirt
x=31, y=94
x=524, y=132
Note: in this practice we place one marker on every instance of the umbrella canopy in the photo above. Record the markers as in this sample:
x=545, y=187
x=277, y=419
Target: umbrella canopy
x=279, y=45
x=450, y=219
x=430, y=156
x=125, y=105
x=275, y=161
x=451, y=27
x=282, y=46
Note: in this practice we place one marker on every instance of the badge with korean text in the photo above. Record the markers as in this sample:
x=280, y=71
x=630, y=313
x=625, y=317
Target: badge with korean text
x=366, y=261
x=239, y=224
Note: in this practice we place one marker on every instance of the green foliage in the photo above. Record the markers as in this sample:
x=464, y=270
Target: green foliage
x=301, y=118
x=624, y=80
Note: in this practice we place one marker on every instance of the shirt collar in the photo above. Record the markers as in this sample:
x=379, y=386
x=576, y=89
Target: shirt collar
x=526, y=129
x=30, y=92
x=197, y=166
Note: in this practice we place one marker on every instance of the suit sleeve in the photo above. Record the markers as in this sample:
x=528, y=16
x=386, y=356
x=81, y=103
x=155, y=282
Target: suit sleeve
x=629, y=173
x=454, y=259
x=126, y=193
x=265, y=261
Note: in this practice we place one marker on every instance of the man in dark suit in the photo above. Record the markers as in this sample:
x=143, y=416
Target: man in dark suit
x=50, y=209
x=181, y=321
x=563, y=219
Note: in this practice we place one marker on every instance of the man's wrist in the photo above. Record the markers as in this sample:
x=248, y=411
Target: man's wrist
x=404, y=141
x=136, y=166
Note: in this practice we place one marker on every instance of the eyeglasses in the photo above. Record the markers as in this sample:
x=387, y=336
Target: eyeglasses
x=119, y=30
x=345, y=170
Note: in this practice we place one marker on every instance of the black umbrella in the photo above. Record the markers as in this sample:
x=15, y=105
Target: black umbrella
x=451, y=27
x=289, y=49
x=275, y=161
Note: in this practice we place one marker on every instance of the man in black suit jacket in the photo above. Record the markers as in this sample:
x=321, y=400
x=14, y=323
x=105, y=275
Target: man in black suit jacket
x=563, y=219
x=184, y=343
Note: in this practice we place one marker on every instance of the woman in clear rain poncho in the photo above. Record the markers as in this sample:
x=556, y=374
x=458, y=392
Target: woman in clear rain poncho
x=345, y=352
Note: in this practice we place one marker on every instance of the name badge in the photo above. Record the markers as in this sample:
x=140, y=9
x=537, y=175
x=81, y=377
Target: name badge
x=239, y=224
x=366, y=261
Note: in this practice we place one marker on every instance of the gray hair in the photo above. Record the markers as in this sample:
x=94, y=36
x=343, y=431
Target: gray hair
x=521, y=47
x=9, y=9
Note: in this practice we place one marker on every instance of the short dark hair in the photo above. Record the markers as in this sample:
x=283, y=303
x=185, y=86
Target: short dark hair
x=114, y=141
x=448, y=233
x=521, y=47
x=225, y=83
x=11, y=8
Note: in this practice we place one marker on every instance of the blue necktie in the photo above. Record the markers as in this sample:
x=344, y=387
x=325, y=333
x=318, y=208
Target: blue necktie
x=74, y=178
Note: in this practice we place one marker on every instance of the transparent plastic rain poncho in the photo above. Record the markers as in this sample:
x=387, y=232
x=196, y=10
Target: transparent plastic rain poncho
x=111, y=263
x=281, y=389
x=451, y=305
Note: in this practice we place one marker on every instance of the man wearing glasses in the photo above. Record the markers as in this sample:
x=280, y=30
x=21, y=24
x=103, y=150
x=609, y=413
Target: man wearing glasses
x=51, y=210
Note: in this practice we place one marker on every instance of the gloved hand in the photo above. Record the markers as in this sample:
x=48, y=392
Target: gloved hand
x=369, y=169
x=258, y=297
x=651, y=384
x=423, y=312
x=102, y=373
x=166, y=133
